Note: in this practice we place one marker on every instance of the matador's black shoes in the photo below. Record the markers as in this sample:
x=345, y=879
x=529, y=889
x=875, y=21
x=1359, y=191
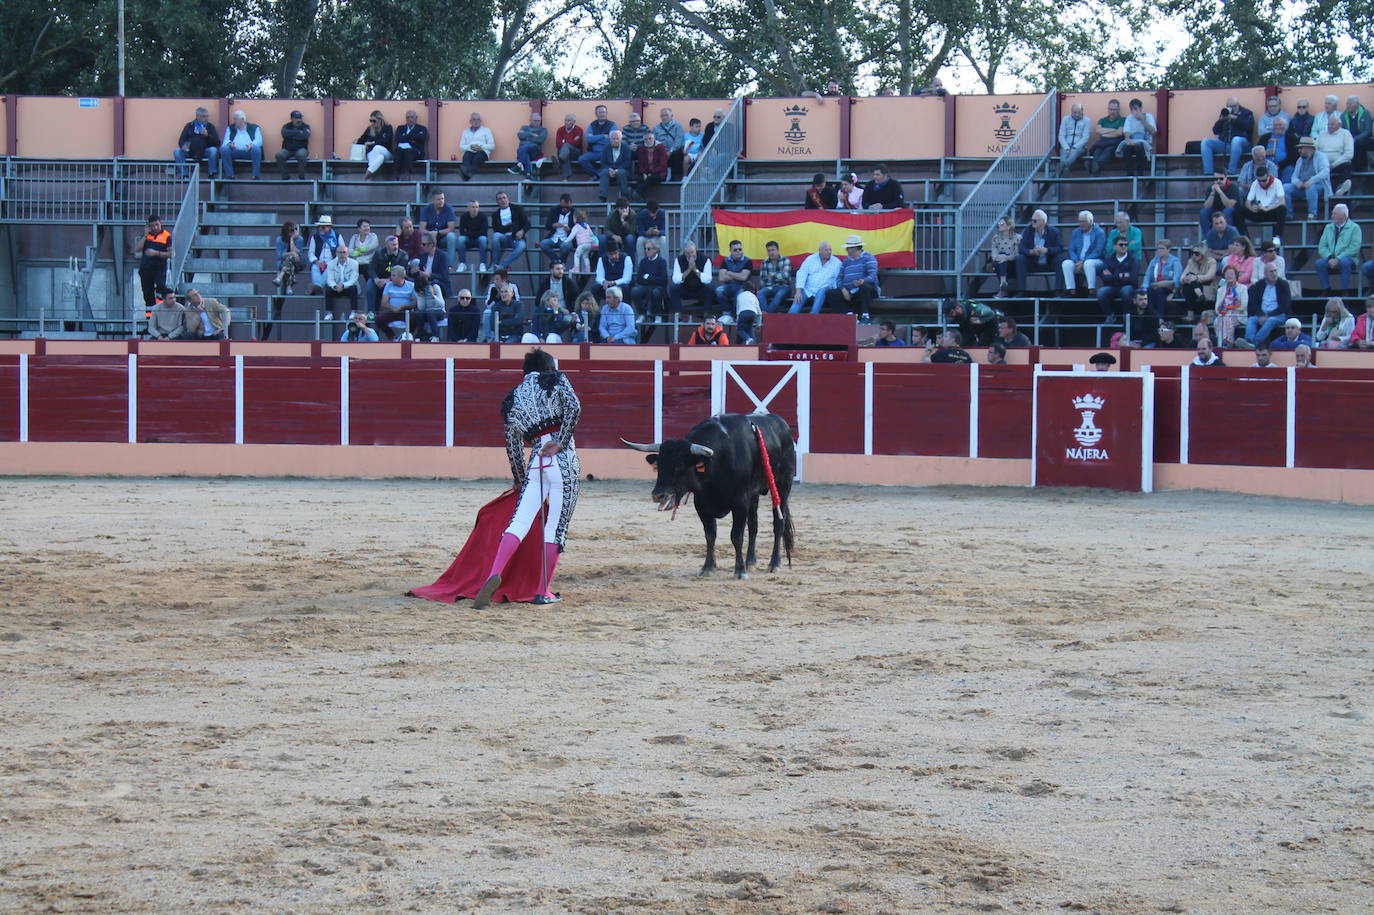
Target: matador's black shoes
x=483, y=598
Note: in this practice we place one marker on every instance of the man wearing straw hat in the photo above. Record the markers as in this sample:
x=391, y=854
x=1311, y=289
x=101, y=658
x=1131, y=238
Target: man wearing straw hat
x=858, y=281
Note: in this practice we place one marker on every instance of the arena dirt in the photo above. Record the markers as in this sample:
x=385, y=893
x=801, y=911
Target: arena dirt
x=216, y=697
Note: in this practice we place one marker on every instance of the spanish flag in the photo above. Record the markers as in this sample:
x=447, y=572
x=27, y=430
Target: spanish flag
x=887, y=235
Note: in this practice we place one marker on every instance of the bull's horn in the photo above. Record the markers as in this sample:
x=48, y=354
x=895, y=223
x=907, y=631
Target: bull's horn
x=651, y=449
x=701, y=450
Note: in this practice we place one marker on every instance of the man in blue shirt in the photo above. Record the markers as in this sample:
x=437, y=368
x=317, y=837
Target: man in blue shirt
x=398, y=297
x=857, y=282
x=1293, y=336
x=598, y=134
x=1219, y=237
x=438, y=217
x=617, y=319
x=731, y=276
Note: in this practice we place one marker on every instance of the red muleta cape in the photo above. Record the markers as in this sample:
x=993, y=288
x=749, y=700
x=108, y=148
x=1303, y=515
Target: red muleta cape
x=465, y=577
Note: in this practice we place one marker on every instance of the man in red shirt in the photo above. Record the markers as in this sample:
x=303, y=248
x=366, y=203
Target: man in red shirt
x=567, y=140
x=651, y=165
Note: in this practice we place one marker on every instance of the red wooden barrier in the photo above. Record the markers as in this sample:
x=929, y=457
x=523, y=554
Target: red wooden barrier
x=1334, y=411
x=1005, y=397
x=186, y=399
x=79, y=399
x=290, y=401
x=920, y=409
x=9, y=398
x=1236, y=416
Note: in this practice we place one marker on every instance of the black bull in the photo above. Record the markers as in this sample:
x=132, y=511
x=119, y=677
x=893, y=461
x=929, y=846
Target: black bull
x=719, y=464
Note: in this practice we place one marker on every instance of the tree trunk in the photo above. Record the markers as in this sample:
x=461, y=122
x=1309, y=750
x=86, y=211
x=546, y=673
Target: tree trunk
x=295, y=53
x=904, y=47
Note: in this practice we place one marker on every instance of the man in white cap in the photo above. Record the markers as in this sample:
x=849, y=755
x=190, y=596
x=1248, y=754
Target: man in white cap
x=1293, y=336
x=323, y=243
x=858, y=281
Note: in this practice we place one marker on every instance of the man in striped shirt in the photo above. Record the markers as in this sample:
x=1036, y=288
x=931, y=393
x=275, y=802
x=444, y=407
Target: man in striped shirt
x=858, y=281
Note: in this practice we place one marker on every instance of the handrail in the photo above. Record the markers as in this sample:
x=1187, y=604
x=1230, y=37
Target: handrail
x=717, y=160
x=187, y=224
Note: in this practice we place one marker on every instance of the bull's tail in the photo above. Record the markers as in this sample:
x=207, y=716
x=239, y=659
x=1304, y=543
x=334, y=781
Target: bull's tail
x=787, y=531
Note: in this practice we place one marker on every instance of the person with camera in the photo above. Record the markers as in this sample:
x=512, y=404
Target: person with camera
x=357, y=330
x=1232, y=132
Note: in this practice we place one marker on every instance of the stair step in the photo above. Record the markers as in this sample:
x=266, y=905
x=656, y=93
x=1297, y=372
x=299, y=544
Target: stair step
x=224, y=265
x=220, y=218
x=227, y=289
x=256, y=242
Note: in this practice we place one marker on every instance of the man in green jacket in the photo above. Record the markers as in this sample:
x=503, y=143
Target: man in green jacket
x=1338, y=249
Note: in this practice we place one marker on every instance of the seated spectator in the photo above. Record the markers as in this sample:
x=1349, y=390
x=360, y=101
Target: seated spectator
x=1336, y=143
x=1362, y=337
x=1310, y=178
x=997, y=354
x=1083, y=258
x=1232, y=304
x=438, y=219
x=1138, y=139
x=588, y=312
x=1302, y=356
x=734, y=271
x=1122, y=228
x=1263, y=357
x=1198, y=282
x=1273, y=110
x=691, y=280
x=362, y=244
x=820, y=195
x=1074, y=133
x=1006, y=244
x=851, y=195
x=616, y=163
x=1205, y=354
x=199, y=141
x=614, y=269
x=323, y=243
x=883, y=192
x=290, y=257
x=167, y=320
x=1268, y=303
x=1220, y=236
x=376, y=141
x=412, y=145
x=1259, y=155
x=502, y=322
x=651, y=224
x=1039, y=250
x=1337, y=326
x=205, y=319
x=584, y=243
x=559, y=282
x=1241, y=255
x=1119, y=278
x=500, y=279
x=1222, y=196
x=693, y=144
x=530, y=146
x=1269, y=254
x=1280, y=147
x=651, y=166
x=1356, y=121
x=775, y=279
x=1009, y=336
x=887, y=335
x=477, y=144
x=1169, y=337
x=1293, y=336
x=473, y=229
x=1142, y=328
x=509, y=224
x=340, y=283
x=597, y=135
x=978, y=323
x=1338, y=250
x=818, y=275
x=857, y=285
x=430, y=277
x=463, y=318
x=295, y=144
x=710, y=333
x=399, y=302
x=389, y=255
x=557, y=241
x=618, y=319
x=950, y=350
x=1231, y=133
x=409, y=238
x=1163, y=277
x=620, y=226
x=650, y=289
x=1264, y=203
x=1110, y=133
x=1302, y=121
x=357, y=331
x=1368, y=272
x=242, y=141
x=669, y=134
x=551, y=322
x=567, y=145
x=936, y=89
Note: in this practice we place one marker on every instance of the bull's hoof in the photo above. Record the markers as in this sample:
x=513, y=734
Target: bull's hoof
x=706, y=570
x=741, y=574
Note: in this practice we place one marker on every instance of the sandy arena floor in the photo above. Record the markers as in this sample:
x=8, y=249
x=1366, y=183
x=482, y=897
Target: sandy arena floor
x=214, y=696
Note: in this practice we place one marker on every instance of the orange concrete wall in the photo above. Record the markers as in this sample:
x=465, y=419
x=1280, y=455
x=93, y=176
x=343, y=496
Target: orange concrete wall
x=271, y=114
x=504, y=118
x=152, y=125
x=57, y=128
x=817, y=136
x=978, y=123
x=879, y=126
x=350, y=119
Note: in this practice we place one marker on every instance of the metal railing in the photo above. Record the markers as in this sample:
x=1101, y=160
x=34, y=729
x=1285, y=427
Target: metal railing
x=700, y=188
x=186, y=226
x=1004, y=181
x=86, y=191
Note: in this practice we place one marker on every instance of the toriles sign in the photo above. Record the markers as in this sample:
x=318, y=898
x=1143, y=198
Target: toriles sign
x=1094, y=429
